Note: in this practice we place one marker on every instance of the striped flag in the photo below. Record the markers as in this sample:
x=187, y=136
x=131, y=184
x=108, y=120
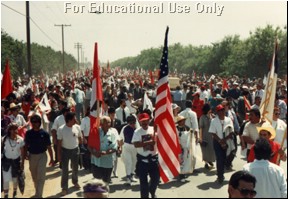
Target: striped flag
x=167, y=139
x=268, y=100
x=96, y=98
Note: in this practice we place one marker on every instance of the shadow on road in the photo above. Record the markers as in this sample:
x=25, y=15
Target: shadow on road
x=120, y=187
x=212, y=185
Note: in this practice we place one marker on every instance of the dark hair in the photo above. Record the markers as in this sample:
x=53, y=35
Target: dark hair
x=63, y=103
x=262, y=149
x=188, y=103
x=256, y=111
x=206, y=108
x=111, y=110
x=131, y=119
x=36, y=118
x=241, y=175
x=69, y=116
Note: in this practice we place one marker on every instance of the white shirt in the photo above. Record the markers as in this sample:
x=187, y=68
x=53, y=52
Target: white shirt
x=218, y=126
x=119, y=113
x=69, y=136
x=191, y=119
x=250, y=130
x=129, y=105
x=280, y=127
x=204, y=96
x=271, y=182
x=59, y=121
x=12, y=148
x=19, y=120
x=259, y=93
x=138, y=136
x=85, y=126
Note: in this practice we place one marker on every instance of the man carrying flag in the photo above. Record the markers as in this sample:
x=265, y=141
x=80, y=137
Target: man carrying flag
x=101, y=141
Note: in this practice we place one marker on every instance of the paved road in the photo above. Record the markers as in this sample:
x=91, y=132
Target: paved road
x=200, y=184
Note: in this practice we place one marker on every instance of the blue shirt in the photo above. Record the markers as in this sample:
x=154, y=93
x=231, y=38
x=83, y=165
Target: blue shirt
x=108, y=141
x=177, y=95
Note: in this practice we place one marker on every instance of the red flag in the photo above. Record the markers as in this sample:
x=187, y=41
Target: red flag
x=96, y=98
x=6, y=87
x=167, y=139
x=225, y=85
x=247, y=107
x=151, y=77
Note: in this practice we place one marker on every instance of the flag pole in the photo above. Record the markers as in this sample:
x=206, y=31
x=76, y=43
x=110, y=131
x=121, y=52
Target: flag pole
x=282, y=143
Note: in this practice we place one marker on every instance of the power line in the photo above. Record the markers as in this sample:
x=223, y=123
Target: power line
x=33, y=23
x=13, y=9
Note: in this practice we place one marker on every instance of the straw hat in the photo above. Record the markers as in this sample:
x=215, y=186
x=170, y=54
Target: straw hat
x=180, y=118
x=269, y=128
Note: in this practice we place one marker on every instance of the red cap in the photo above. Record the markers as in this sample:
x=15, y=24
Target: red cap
x=143, y=117
x=219, y=107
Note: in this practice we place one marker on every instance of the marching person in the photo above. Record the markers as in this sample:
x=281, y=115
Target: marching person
x=205, y=138
x=102, y=160
x=221, y=138
x=69, y=137
x=129, y=151
x=147, y=157
x=13, y=160
x=185, y=143
x=192, y=122
x=37, y=142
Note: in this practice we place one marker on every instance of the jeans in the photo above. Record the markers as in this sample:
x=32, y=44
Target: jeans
x=220, y=159
x=143, y=170
x=66, y=155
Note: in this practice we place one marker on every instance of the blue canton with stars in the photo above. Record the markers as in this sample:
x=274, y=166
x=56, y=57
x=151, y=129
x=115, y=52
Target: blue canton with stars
x=164, y=60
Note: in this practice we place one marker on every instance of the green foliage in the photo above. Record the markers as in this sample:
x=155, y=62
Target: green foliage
x=43, y=58
x=248, y=57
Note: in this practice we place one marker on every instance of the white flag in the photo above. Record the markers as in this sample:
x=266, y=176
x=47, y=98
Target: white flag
x=44, y=104
x=147, y=104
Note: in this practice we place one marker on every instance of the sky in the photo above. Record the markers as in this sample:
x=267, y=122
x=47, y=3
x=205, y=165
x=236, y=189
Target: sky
x=121, y=34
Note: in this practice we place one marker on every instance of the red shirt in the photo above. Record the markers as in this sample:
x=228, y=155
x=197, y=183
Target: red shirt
x=275, y=148
x=197, y=107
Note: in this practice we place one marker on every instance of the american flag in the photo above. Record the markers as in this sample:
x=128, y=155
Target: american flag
x=167, y=139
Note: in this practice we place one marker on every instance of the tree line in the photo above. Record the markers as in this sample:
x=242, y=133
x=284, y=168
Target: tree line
x=248, y=57
x=43, y=58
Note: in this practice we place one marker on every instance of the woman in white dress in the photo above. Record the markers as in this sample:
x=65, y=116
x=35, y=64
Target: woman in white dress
x=13, y=158
x=184, y=136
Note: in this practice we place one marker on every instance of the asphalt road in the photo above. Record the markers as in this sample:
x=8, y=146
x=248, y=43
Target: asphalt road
x=200, y=184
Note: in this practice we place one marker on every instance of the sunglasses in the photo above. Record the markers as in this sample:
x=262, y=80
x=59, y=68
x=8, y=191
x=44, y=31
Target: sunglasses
x=276, y=113
x=34, y=121
x=245, y=192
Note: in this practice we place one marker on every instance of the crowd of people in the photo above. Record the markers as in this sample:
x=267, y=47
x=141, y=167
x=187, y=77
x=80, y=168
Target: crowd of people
x=205, y=110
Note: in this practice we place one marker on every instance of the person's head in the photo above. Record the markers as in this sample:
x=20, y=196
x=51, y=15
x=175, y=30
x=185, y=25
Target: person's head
x=12, y=129
x=70, y=119
x=2, y=111
x=266, y=131
x=180, y=120
x=188, y=103
x=220, y=110
x=14, y=109
x=258, y=100
x=105, y=123
x=62, y=104
x=262, y=149
x=241, y=185
x=35, y=122
x=131, y=120
x=176, y=109
x=96, y=189
x=206, y=109
x=144, y=119
x=123, y=103
x=276, y=113
x=130, y=96
x=111, y=113
x=254, y=115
